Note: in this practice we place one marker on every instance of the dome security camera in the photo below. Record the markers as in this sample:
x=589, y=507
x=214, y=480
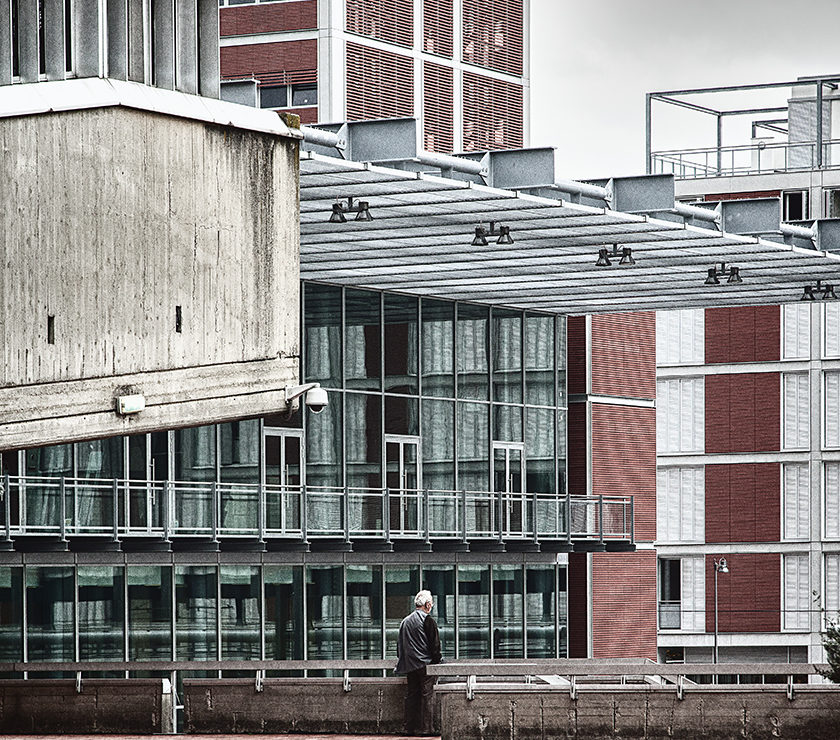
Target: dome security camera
x=316, y=400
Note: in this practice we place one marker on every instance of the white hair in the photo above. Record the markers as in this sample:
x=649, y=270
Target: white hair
x=423, y=597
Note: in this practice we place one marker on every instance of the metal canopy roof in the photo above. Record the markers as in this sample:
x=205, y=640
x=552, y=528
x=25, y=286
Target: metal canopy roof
x=419, y=242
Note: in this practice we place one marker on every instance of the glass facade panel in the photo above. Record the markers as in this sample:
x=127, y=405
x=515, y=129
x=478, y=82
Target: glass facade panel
x=471, y=353
x=11, y=614
x=239, y=452
x=401, y=586
x=364, y=440
x=539, y=450
x=507, y=356
x=539, y=360
x=324, y=445
x=324, y=612
x=362, y=341
x=195, y=612
x=507, y=423
x=401, y=415
x=240, y=612
x=283, y=612
x=401, y=344
x=440, y=580
x=508, y=639
x=101, y=613
x=364, y=611
x=322, y=334
x=195, y=464
x=473, y=446
x=42, y=501
x=94, y=503
x=149, y=612
x=49, y=613
x=540, y=606
x=438, y=351
x=473, y=611
x=438, y=423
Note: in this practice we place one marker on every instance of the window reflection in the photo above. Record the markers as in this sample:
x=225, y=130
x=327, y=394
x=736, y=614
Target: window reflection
x=49, y=613
x=11, y=614
x=101, y=613
x=438, y=444
x=471, y=352
x=195, y=617
x=149, y=612
x=364, y=611
x=440, y=580
x=507, y=423
x=507, y=612
x=539, y=448
x=539, y=360
x=322, y=334
x=401, y=343
x=438, y=348
x=324, y=446
x=401, y=585
x=473, y=445
x=283, y=612
x=362, y=350
x=540, y=604
x=364, y=440
x=473, y=611
x=324, y=606
x=507, y=356
x=240, y=611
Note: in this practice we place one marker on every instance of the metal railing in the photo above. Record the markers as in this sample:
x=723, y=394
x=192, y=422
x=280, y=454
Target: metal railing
x=747, y=159
x=669, y=615
x=67, y=507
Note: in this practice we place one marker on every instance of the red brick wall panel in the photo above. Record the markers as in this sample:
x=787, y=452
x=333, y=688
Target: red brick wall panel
x=307, y=115
x=624, y=354
x=743, y=502
x=438, y=106
x=577, y=455
x=578, y=601
x=743, y=412
x=268, y=18
x=624, y=460
x=749, y=596
x=742, y=196
x=744, y=334
x=492, y=34
x=576, y=354
x=624, y=605
x=284, y=62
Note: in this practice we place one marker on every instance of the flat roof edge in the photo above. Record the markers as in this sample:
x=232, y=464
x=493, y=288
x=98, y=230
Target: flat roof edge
x=95, y=92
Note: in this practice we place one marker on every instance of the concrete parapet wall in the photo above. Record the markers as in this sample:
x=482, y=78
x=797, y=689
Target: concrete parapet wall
x=648, y=712
x=114, y=706
x=373, y=705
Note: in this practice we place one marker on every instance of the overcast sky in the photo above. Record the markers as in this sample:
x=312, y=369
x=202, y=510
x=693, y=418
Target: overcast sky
x=592, y=63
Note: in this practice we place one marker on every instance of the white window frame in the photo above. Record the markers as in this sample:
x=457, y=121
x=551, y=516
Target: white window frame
x=796, y=616
x=802, y=412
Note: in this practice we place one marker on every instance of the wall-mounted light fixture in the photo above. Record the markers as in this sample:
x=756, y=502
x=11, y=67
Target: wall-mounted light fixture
x=732, y=275
x=604, y=254
x=481, y=234
x=133, y=404
x=818, y=292
x=361, y=209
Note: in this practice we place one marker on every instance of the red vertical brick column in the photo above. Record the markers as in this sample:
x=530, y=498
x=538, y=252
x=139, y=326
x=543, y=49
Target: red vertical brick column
x=743, y=502
x=749, y=595
x=578, y=600
x=743, y=412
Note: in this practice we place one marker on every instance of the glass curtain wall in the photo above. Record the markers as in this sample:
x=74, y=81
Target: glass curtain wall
x=318, y=612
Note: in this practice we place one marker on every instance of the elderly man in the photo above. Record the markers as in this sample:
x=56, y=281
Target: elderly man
x=417, y=646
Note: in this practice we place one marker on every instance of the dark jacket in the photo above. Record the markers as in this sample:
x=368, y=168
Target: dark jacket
x=418, y=643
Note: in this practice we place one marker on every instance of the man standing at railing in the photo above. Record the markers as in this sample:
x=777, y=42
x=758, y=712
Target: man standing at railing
x=418, y=645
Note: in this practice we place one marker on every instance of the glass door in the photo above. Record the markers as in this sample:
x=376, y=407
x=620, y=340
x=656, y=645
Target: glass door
x=508, y=475
x=402, y=480
x=283, y=479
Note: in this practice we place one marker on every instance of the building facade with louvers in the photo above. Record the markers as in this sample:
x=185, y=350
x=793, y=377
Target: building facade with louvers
x=459, y=66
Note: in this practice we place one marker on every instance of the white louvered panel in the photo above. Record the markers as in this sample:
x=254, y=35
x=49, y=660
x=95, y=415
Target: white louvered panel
x=680, y=415
x=698, y=427
x=664, y=337
x=680, y=338
x=796, y=331
x=680, y=505
x=796, y=414
x=831, y=600
x=796, y=498
x=693, y=596
x=831, y=496
x=797, y=594
x=831, y=329
x=831, y=434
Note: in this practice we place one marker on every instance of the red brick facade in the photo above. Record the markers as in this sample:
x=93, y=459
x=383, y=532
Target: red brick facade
x=749, y=334
x=749, y=595
x=268, y=18
x=743, y=503
x=743, y=412
x=624, y=354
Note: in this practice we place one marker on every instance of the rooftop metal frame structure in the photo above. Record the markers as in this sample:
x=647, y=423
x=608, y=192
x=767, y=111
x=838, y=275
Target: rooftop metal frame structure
x=425, y=209
x=777, y=125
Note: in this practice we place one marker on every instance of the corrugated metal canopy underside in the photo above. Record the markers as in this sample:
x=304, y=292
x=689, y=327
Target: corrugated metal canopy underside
x=419, y=242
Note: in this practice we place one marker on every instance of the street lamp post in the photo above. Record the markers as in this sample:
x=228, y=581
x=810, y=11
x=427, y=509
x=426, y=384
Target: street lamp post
x=720, y=567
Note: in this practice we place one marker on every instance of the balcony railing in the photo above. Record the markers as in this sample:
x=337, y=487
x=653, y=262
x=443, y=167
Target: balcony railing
x=121, y=509
x=748, y=159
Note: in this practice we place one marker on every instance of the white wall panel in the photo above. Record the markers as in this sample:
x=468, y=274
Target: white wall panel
x=796, y=501
x=680, y=415
x=796, y=411
x=797, y=593
x=680, y=505
x=680, y=337
x=796, y=331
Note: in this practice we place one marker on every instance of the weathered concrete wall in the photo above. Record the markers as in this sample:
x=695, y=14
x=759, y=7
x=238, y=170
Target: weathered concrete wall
x=286, y=705
x=111, y=219
x=104, y=705
x=650, y=713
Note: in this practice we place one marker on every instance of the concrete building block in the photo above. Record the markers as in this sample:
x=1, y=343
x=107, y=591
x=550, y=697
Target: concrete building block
x=290, y=705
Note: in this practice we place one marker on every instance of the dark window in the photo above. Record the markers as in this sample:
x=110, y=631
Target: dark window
x=795, y=205
x=276, y=96
x=304, y=95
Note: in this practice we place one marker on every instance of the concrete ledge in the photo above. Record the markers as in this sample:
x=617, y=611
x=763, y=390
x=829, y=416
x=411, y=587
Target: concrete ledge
x=103, y=705
x=314, y=705
x=645, y=712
